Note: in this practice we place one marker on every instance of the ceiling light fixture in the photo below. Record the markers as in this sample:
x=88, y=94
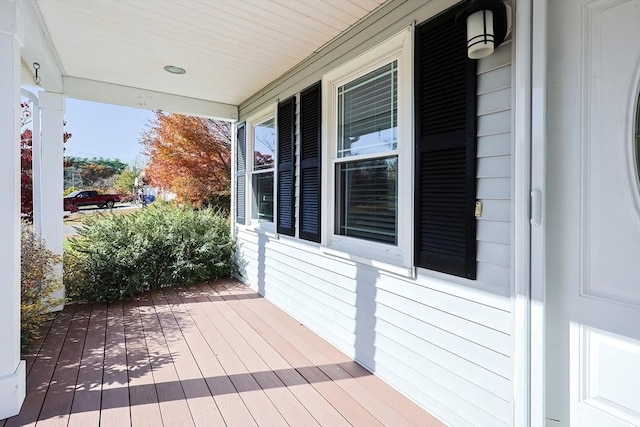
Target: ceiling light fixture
x=174, y=70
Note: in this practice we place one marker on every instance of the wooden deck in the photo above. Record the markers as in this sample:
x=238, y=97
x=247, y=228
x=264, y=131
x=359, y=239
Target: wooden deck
x=207, y=355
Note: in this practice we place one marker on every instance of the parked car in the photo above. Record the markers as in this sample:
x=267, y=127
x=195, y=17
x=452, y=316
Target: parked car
x=74, y=200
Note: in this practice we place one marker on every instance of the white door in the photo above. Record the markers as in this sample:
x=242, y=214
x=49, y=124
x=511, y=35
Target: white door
x=593, y=214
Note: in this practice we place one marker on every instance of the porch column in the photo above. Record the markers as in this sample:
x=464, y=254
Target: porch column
x=12, y=369
x=50, y=186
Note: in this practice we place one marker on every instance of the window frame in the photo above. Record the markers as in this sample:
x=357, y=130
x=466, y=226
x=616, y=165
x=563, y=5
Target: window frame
x=253, y=121
x=396, y=48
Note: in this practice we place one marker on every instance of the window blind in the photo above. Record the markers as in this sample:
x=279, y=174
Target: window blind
x=368, y=199
x=367, y=113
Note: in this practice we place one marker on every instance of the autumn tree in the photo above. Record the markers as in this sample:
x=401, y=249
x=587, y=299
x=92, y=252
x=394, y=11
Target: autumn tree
x=189, y=156
x=92, y=174
x=96, y=172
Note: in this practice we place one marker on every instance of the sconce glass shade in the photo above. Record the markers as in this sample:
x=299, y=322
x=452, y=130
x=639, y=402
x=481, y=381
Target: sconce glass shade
x=480, y=34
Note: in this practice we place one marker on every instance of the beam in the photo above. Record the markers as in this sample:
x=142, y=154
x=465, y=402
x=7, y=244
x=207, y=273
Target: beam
x=109, y=93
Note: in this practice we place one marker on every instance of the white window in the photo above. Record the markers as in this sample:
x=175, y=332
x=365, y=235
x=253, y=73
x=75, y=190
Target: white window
x=368, y=183
x=366, y=158
x=262, y=140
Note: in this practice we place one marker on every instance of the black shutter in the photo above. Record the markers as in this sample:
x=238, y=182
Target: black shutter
x=445, y=96
x=310, y=158
x=286, y=166
x=241, y=166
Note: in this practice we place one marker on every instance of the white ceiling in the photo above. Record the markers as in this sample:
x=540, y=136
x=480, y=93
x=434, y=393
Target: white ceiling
x=230, y=48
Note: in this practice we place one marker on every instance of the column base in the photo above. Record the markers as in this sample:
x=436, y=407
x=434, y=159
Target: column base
x=12, y=391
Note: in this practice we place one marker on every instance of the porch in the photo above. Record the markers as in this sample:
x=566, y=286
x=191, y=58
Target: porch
x=207, y=354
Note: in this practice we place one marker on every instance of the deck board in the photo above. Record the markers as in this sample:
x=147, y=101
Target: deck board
x=310, y=397
x=284, y=337
x=241, y=359
x=145, y=408
x=36, y=346
x=386, y=401
x=115, y=394
x=194, y=319
x=38, y=380
x=210, y=354
x=173, y=402
x=88, y=391
x=264, y=375
x=59, y=398
x=203, y=407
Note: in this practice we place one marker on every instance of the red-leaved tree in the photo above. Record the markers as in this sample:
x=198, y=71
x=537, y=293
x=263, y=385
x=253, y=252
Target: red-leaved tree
x=189, y=156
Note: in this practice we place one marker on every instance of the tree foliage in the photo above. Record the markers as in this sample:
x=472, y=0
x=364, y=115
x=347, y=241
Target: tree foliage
x=189, y=156
x=115, y=165
x=93, y=173
x=97, y=172
x=125, y=181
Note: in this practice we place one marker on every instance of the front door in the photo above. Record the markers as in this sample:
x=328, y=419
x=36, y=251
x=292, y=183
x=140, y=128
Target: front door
x=593, y=214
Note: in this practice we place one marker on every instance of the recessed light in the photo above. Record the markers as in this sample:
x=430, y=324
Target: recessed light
x=174, y=70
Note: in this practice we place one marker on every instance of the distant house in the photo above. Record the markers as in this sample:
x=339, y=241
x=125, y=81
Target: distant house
x=467, y=229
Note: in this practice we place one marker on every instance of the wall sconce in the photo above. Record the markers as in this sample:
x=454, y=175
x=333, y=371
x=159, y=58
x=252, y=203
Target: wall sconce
x=486, y=26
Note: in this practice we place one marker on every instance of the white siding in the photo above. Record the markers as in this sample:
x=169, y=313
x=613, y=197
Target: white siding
x=444, y=341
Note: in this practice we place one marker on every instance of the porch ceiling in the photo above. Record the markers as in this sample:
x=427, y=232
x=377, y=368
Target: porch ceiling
x=229, y=48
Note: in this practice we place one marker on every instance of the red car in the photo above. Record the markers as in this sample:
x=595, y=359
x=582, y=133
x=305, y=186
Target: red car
x=74, y=200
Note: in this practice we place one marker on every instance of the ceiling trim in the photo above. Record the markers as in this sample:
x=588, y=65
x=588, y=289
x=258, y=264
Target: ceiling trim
x=109, y=93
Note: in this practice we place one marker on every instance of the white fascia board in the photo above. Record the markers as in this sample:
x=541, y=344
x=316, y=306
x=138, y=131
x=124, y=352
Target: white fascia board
x=37, y=47
x=109, y=93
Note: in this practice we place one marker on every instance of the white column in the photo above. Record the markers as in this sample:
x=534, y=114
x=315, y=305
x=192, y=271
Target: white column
x=12, y=369
x=50, y=186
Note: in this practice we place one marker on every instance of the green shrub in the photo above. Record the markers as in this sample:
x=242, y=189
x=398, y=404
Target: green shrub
x=37, y=284
x=117, y=256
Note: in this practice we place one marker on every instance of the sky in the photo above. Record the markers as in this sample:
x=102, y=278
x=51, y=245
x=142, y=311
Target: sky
x=102, y=130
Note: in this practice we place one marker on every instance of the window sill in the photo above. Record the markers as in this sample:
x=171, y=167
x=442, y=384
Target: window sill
x=267, y=229
x=390, y=263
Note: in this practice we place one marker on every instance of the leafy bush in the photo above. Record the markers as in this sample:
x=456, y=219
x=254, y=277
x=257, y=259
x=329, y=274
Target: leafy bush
x=38, y=283
x=117, y=256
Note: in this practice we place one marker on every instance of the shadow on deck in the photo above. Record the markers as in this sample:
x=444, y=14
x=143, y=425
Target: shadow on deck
x=207, y=354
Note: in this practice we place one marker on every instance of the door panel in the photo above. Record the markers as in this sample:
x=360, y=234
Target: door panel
x=604, y=392
x=593, y=240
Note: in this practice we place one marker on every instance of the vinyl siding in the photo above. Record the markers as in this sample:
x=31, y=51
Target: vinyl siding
x=444, y=341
